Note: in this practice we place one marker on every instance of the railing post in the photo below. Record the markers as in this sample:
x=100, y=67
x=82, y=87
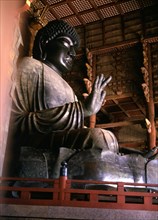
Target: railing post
x=121, y=195
x=62, y=180
x=56, y=187
x=25, y=195
x=148, y=202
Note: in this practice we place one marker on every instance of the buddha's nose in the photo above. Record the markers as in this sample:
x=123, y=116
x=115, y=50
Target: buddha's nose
x=72, y=52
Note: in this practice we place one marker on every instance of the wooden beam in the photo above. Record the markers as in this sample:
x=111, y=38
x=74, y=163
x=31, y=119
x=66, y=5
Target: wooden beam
x=114, y=47
x=139, y=105
x=120, y=45
x=136, y=145
x=96, y=9
x=115, y=97
x=120, y=123
x=125, y=112
x=76, y=13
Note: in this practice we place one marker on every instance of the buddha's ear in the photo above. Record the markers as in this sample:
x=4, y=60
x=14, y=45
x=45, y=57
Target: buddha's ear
x=42, y=49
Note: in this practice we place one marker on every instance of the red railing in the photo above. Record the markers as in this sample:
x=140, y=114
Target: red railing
x=81, y=193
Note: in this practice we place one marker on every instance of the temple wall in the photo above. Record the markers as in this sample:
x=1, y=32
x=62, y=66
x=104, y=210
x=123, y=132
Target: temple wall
x=16, y=39
x=8, y=23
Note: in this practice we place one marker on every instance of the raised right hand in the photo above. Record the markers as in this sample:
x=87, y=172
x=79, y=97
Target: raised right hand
x=94, y=101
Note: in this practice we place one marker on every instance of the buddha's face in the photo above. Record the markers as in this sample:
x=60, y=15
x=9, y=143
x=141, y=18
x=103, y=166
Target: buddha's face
x=60, y=54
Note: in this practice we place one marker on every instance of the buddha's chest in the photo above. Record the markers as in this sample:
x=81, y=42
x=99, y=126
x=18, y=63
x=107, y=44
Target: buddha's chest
x=57, y=90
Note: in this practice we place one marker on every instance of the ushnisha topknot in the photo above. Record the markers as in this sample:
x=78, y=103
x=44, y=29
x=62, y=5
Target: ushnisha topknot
x=49, y=32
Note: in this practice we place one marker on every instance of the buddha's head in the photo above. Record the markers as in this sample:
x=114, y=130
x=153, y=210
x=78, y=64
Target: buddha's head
x=56, y=44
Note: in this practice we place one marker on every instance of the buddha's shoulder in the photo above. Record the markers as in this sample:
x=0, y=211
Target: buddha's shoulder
x=29, y=64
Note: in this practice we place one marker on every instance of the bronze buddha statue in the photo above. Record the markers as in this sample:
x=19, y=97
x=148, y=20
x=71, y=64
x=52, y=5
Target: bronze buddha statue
x=46, y=115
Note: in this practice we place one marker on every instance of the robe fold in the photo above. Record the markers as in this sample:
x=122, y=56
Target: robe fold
x=43, y=101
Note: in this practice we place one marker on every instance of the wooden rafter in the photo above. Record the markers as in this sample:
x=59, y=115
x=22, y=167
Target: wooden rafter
x=120, y=123
x=125, y=112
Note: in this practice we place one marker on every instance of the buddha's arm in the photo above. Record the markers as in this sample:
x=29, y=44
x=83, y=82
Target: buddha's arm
x=69, y=116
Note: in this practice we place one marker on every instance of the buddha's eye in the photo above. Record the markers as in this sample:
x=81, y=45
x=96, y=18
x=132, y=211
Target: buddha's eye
x=66, y=41
x=66, y=44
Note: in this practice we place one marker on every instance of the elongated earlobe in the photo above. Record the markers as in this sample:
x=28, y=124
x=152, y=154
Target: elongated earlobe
x=43, y=55
x=42, y=45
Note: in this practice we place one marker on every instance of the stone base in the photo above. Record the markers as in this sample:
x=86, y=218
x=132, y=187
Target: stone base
x=25, y=212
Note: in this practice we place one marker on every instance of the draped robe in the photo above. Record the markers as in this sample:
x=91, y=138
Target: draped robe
x=47, y=114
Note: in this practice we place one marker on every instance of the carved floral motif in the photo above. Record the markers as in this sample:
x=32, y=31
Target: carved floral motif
x=145, y=72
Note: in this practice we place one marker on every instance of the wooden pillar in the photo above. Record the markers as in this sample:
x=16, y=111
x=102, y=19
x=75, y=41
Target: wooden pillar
x=92, y=120
x=151, y=107
x=91, y=73
x=148, y=92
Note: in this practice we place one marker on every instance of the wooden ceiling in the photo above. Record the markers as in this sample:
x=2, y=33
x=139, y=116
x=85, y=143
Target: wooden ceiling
x=83, y=12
